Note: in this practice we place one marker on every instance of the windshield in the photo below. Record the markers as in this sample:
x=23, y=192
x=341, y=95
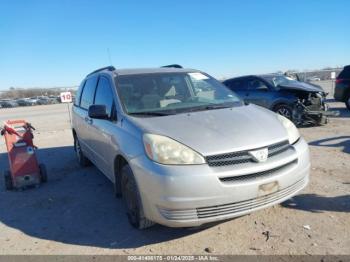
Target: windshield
x=171, y=93
x=280, y=80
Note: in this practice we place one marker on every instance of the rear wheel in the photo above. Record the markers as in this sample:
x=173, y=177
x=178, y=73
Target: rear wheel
x=43, y=173
x=284, y=110
x=82, y=159
x=132, y=200
x=8, y=180
x=347, y=101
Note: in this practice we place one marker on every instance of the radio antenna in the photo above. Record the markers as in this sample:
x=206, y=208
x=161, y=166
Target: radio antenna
x=109, y=56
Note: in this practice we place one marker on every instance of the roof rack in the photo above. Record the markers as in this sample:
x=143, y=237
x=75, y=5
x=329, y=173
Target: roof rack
x=109, y=68
x=173, y=66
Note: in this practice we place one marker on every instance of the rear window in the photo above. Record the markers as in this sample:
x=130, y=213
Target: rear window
x=345, y=74
x=87, y=97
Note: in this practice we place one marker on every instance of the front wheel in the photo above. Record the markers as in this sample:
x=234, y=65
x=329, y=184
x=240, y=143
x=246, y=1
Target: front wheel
x=132, y=200
x=284, y=110
x=8, y=180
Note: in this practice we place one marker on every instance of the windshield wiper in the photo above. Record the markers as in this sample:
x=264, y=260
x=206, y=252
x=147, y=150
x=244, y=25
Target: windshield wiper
x=210, y=107
x=154, y=113
x=217, y=106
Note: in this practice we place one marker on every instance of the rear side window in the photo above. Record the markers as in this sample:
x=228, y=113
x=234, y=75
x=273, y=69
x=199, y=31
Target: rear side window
x=256, y=84
x=345, y=74
x=104, y=95
x=238, y=84
x=87, y=97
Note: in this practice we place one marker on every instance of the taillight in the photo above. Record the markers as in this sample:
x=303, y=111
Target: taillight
x=338, y=81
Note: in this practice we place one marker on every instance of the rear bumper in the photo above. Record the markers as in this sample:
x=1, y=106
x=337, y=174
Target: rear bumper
x=181, y=196
x=340, y=92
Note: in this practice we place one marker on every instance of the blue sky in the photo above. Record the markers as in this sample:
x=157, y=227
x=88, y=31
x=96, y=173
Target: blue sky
x=57, y=42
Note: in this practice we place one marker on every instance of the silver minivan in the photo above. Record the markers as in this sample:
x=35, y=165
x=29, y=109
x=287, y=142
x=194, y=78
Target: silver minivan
x=183, y=150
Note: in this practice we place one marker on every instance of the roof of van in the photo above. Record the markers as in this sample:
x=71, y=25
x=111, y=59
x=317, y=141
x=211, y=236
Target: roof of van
x=136, y=71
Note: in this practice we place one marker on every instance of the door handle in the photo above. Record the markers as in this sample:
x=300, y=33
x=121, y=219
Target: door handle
x=88, y=120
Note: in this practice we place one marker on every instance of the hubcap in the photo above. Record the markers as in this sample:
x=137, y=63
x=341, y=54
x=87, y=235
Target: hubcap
x=284, y=112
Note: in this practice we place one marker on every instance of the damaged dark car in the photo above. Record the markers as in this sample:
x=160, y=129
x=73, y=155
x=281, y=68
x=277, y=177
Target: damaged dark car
x=301, y=102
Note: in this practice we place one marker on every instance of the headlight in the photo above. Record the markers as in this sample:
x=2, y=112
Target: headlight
x=165, y=150
x=293, y=133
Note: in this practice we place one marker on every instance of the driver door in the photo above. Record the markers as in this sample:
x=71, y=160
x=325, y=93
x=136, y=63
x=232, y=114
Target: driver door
x=102, y=129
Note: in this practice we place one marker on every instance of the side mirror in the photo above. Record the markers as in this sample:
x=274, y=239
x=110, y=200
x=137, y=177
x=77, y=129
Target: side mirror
x=98, y=112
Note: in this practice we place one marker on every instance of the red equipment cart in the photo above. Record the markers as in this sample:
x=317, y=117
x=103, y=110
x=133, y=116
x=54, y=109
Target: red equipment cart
x=24, y=167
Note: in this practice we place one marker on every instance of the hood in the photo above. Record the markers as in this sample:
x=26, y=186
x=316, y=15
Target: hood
x=302, y=86
x=218, y=131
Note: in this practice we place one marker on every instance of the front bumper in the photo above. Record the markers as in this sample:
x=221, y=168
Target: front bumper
x=181, y=196
x=312, y=114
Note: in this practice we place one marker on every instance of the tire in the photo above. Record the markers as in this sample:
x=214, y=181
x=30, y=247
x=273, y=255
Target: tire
x=284, y=110
x=8, y=180
x=347, y=101
x=132, y=200
x=43, y=173
x=82, y=159
x=117, y=187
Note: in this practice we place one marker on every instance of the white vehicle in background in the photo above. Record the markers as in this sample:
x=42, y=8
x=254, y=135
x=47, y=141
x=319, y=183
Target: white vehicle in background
x=314, y=78
x=33, y=100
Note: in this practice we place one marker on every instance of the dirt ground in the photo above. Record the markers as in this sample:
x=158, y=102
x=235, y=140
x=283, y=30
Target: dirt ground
x=76, y=212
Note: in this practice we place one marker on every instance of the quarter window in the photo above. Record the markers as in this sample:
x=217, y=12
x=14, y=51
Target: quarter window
x=87, y=97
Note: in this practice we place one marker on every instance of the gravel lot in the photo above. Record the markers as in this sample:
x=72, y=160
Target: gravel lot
x=76, y=212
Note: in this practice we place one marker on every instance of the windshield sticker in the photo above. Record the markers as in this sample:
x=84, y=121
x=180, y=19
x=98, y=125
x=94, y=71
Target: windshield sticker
x=198, y=76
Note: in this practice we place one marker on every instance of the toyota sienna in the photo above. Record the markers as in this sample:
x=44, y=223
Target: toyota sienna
x=182, y=149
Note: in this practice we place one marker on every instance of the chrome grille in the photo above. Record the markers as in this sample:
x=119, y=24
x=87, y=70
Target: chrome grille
x=259, y=175
x=241, y=157
x=246, y=205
